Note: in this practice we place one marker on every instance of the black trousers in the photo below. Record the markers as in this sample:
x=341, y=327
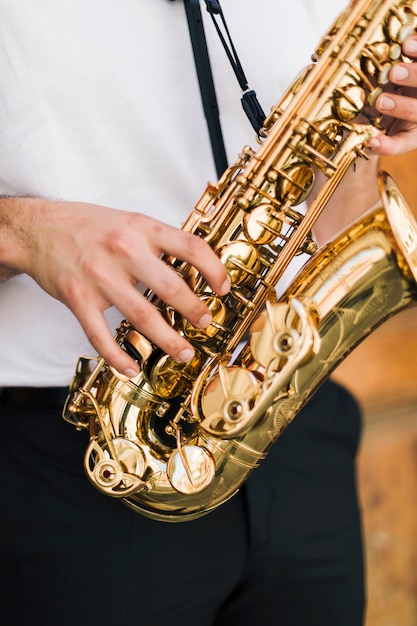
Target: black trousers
x=286, y=550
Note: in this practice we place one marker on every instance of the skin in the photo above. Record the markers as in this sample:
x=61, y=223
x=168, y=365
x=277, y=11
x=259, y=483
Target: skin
x=358, y=190
x=91, y=257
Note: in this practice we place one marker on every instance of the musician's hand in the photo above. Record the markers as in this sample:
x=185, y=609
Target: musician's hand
x=91, y=257
x=399, y=107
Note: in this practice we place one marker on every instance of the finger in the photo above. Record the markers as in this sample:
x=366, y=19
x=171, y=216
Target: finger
x=404, y=74
x=145, y=317
x=116, y=288
x=147, y=320
x=168, y=285
x=410, y=46
x=195, y=251
x=88, y=307
x=99, y=335
x=398, y=106
x=400, y=143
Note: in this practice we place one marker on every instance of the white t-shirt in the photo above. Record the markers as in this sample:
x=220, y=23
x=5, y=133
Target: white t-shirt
x=100, y=103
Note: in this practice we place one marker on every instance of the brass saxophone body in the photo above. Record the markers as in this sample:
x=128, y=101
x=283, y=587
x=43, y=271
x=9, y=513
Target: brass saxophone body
x=178, y=440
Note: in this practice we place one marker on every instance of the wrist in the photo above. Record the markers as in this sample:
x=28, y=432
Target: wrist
x=18, y=218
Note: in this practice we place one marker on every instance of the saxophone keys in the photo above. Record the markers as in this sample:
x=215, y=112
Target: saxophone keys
x=168, y=378
x=137, y=346
x=261, y=225
x=268, y=332
x=373, y=96
x=241, y=260
x=119, y=476
x=227, y=400
x=348, y=100
x=190, y=469
x=218, y=312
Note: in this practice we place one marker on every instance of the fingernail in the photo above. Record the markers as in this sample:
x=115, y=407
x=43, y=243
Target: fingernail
x=225, y=288
x=385, y=102
x=411, y=46
x=399, y=72
x=186, y=355
x=130, y=372
x=205, y=320
x=374, y=143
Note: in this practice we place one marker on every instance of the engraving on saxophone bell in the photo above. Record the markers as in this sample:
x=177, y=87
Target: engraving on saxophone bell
x=179, y=439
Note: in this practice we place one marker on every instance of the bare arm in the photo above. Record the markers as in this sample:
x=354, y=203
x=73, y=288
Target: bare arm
x=8, y=238
x=354, y=196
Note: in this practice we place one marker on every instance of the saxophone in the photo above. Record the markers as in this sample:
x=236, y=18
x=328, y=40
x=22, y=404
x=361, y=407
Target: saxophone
x=178, y=440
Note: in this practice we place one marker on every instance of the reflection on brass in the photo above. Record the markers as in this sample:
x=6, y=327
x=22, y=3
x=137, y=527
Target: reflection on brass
x=178, y=440
x=170, y=379
x=218, y=313
x=261, y=225
x=241, y=259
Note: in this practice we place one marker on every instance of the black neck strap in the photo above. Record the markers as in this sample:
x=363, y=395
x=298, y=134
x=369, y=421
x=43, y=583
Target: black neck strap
x=249, y=100
x=206, y=83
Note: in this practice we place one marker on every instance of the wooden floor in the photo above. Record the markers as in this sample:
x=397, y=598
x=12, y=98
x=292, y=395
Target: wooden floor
x=382, y=373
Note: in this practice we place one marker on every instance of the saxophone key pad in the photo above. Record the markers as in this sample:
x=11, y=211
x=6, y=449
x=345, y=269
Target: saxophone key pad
x=190, y=469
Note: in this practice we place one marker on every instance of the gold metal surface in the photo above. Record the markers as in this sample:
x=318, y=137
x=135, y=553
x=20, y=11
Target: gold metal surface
x=178, y=440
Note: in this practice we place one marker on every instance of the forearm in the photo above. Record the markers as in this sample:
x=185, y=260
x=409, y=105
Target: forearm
x=356, y=193
x=16, y=215
x=7, y=272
